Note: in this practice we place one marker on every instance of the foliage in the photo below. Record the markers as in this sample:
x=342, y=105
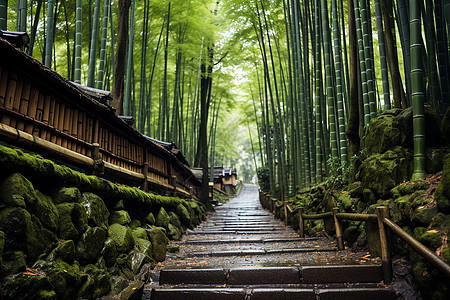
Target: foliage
x=263, y=179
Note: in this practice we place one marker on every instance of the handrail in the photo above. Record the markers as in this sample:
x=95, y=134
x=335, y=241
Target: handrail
x=384, y=223
x=419, y=247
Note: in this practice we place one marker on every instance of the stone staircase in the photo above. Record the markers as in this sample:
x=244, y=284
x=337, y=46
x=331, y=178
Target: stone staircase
x=242, y=252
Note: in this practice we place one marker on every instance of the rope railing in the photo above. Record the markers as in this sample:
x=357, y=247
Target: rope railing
x=386, y=227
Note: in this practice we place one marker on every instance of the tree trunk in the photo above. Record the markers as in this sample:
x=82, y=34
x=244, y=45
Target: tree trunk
x=3, y=14
x=119, y=69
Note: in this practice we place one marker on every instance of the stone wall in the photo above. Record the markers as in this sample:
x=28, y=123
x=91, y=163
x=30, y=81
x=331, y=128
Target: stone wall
x=66, y=235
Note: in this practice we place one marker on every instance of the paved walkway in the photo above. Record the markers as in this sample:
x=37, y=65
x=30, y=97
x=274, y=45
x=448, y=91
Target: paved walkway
x=242, y=252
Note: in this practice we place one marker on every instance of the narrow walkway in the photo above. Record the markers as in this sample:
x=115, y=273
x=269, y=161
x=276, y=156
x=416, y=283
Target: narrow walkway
x=242, y=252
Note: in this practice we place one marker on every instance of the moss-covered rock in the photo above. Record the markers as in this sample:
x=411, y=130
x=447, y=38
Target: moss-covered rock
x=446, y=127
x=423, y=215
x=25, y=232
x=384, y=133
x=174, y=232
x=122, y=237
x=446, y=254
x=90, y=245
x=139, y=233
x=65, y=251
x=46, y=211
x=133, y=291
x=162, y=219
x=120, y=217
x=109, y=252
x=97, y=284
x=135, y=224
x=23, y=286
x=72, y=220
x=159, y=241
x=96, y=210
x=14, y=262
x=442, y=194
x=184, y=215
x=430, y=238
x=2, y=242
x=118, y=283
x=138, y=259
x=144, y=246
x=382, y=172
x=17, y=191
x=150, y=219
x=67, y=195
x=174, y=220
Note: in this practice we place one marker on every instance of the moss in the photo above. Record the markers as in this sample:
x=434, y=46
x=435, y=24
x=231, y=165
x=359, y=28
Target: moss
x=135, y=224
x=431, y=239
x=382, y=172
x=96, y=210
x=133, y=291
x=23, y=286
x=139, y=233
x=423, y=215
x=150, y=219
x=159, y=242
x=14, y=262
x=90, y=245
x=442, y=194
x=73, y=221
x=109, y=252
x=446, y=254
x=184, y=215
x=17, y=191
x=138, y=259
x=144, y=246
x=25, y=232
x=446, y=127
x=65, y=251
x=46, y=211
x=97, y=284
x=122, y=237
x=175, y=220
x=162, y=219
x=384, y=133
x=120, y=217
x=2, y=242
x=70, y=195
x=174, y=232
x=173, y=249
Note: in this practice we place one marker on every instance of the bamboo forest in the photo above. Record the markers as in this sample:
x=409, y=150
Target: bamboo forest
x=316, y=105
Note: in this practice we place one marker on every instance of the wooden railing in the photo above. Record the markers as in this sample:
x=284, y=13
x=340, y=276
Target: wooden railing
x=385, y=227
x=42, y=112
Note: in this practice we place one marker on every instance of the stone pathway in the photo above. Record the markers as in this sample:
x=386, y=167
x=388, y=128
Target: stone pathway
x=242, y=252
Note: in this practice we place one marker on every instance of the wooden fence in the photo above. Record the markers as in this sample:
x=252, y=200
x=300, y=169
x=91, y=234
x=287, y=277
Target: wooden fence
x=42, y=112
x=386, y=227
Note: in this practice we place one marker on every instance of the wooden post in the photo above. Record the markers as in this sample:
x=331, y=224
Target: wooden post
x=98, y=162
x=386, y=245
x=338, y=228
x=301, y=224
x=173, y=182
x=285, y=213
x=145, y=172
x=274, y=204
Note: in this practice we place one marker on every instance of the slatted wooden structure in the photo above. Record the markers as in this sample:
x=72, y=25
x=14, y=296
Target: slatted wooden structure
x=44, y=112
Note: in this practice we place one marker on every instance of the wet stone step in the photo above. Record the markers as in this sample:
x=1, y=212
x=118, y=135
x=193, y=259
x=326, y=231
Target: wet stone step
x=235, y=232
x=257, y=252
x=247, y=241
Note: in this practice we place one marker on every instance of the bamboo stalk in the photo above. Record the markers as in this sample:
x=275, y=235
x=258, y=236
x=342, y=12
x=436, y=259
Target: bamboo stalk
x=24, y=103
x=32, y=108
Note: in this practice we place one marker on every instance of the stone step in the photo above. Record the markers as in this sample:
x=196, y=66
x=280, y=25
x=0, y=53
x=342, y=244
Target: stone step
x=249, y=252
x=235, y=232
x=378, y=293
x=240, y=228
x=247, y=241
x=274, y=275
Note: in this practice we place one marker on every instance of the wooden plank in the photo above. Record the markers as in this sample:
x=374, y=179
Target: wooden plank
x=46, y=116
x=51, y=118
x=56, y=119
x=80, y=132
x=3, y=86
x=62, y=112
x=32, y=109
x=24, y=104
x=9, y=97
x=66, y=122
x=39, y=112
x=16, y=101
x=74, y=128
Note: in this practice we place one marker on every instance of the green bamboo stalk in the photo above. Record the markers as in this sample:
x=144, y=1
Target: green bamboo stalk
x=127, y=105
x=3, y=14
x=329, y=79
x=339, y=84
x=418, y=95
x=443, y=65
x=22, y=15
x=318, y=93
x=50, y=33
x=94, y=42
x=78, y=35
x=101, y=66
x=383, y=63
x=368, y=48
x=362, y=63
x=404, y=31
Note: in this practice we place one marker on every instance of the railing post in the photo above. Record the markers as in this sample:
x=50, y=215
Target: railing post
x=386, y=246
x=173, y=181
x=285, y=213
x=272, y=201
x=301, y=224
x=338, y=228
x=145, y=172
x=98, y=162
